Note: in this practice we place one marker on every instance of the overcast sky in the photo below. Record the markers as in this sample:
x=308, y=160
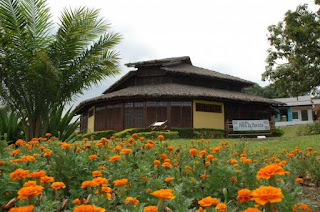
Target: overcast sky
x=228, y=36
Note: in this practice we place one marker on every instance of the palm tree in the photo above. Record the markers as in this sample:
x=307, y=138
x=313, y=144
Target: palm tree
x=40, y=70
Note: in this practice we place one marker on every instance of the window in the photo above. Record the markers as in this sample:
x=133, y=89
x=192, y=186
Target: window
x=208, y=108
x=304, y=115
x=295, y=115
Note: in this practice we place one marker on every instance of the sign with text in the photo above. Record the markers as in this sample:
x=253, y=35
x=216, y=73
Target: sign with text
x=250, y=125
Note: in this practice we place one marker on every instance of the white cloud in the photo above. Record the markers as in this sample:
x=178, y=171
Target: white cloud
x=227, y=36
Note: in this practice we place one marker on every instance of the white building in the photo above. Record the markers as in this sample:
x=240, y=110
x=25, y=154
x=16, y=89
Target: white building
x=298, y=110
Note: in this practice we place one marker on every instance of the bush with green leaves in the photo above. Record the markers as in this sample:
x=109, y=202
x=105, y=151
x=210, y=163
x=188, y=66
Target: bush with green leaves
x=309, y=129
x=96, y=135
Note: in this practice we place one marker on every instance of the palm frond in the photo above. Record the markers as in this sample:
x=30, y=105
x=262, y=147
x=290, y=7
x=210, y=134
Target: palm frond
x=37, y=19
x=78, y=29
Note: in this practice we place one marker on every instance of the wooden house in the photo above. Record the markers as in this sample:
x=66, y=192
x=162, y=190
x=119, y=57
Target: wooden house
x=172, y=89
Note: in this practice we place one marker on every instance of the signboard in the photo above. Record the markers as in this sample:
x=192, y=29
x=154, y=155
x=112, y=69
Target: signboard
x=250, y=125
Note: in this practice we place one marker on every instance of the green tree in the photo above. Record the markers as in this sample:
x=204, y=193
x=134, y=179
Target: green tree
x=40, y=70
x=294, y=56
x=269, y=91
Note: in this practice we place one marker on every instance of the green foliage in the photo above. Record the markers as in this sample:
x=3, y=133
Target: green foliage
x=96, y=135
x=40, y=71
x=309, y=129
x=129, y=132
x=293, y=63
x=60, y=124
x=199, y=132
x=10, y=125
x=269, y=91
x=155, y=134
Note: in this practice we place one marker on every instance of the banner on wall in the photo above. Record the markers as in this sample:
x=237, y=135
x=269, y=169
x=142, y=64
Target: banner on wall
x=250, y=125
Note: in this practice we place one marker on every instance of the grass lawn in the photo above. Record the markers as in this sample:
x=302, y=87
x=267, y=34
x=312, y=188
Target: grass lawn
x=288, y=141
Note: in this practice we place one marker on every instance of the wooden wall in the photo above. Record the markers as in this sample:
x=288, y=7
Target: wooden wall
x=246, y=111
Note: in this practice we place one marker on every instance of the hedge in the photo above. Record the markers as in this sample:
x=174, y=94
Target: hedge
x=97, y=135
x=154, y=134
x=199, y=132
x=129, y=132
x=309, y=129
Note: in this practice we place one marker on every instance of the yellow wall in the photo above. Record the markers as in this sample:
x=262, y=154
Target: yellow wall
x=208, y=119
x=91, y=120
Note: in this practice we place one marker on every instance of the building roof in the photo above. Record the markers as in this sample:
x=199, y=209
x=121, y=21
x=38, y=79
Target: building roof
x=180, y=65
x=298, y=101
x=176, y=91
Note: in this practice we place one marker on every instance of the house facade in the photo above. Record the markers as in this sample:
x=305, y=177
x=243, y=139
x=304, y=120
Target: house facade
x=175, y=90
x=297, y=110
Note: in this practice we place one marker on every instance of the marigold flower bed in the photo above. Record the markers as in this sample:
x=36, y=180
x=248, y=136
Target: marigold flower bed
x=143, y=175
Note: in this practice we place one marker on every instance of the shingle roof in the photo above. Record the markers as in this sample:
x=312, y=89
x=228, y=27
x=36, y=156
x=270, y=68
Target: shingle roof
x=177, y=91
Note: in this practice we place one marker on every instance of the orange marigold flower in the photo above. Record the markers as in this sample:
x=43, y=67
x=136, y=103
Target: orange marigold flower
x=114, y=158
x=269, y=171
x=164, y=194
x=20, y=142
x=204, y=176
x=208, y=201
x=48, y=134
x=26, y=192
x=150, y=209
x=38, y=174
x=28, y=208
x=28, y=158
x=301, y=207
x=121, y=182
x=87, y=183
x=19, y=174
x=58, y=185
x=106, y=190
x=252, y=210
x=93, y=157
x=126, y=151
x=46, y=179
x=102, y=168
x=156, y=163
x=247, y=160
x=30, y=183
x=299, y=180
x=167, y=164
x=244, y=195
x=100, y=181
x=193, y=152
x=132, y=201
x=233, y=179
x=1, y=163
x=77, y=201
x=203, y=153
x=15, y=152
x=96, y=173
x=266, y=194
x=160, y=137
x=88, y=208
x=168, y=179
x=170, y=148
x=65, y=145
x=221, y=207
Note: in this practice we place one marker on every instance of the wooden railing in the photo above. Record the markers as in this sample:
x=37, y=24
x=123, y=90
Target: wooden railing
x=230, y=132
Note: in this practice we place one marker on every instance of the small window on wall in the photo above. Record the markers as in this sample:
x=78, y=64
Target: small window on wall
x=91, y=112
x=304, y=115
x=295, y=115
x=208, y=108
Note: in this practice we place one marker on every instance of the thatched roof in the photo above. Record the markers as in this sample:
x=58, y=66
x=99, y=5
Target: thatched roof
x=176, y=91
x=178, y=65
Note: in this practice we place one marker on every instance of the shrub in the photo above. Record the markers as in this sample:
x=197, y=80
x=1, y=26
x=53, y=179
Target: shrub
x=129, y=132
x=199, y=132
x=155, y=134
x=97, y=135
x=309, y=129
